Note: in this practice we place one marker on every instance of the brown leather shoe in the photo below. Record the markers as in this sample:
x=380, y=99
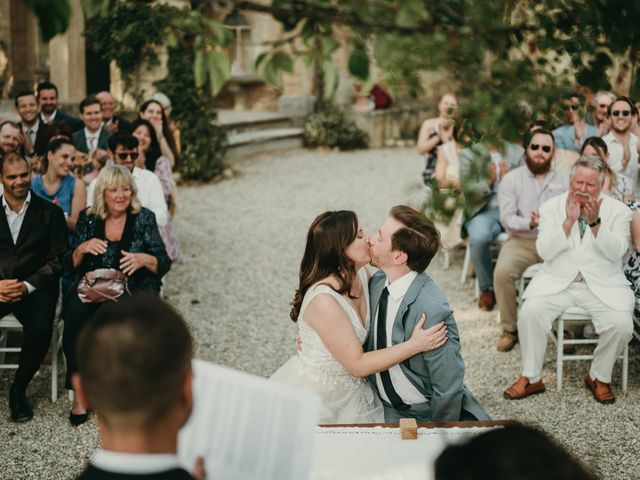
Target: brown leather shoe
x=487, y=300
x=522, y=389
x=507, y=341
x=601, y=391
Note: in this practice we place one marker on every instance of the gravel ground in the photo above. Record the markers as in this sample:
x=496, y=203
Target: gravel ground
x=244, y=239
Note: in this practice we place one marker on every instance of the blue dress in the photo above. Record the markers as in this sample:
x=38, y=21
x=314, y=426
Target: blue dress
x=62, y=197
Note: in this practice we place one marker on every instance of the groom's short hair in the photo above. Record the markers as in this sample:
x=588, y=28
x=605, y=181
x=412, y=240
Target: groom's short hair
x=419, y=238
x=133, y=358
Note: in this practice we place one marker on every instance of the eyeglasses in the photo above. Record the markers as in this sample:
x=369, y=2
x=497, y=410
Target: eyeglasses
x=573, y=107
x=124, y=155
x=624, y=113
x=535, y=146
x=603, y=105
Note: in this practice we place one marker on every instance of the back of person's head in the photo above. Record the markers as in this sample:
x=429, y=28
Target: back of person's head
x=510, y=453
x=124, y=139
x=134, y=360
x=419, y=239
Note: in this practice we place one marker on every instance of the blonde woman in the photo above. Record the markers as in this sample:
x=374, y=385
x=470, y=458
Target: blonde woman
x=115, y=232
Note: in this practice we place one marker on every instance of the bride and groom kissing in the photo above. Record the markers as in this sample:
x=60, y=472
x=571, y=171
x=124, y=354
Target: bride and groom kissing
x=395, y=328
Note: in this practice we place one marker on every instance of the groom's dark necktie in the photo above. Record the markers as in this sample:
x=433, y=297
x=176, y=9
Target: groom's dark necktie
x=381, y=342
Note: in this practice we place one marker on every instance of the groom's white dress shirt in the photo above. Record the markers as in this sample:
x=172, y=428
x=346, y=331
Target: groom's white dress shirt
x=402, y=385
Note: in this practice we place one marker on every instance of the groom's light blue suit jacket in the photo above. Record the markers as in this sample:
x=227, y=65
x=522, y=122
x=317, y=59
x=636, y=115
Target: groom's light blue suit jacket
x=438, y=374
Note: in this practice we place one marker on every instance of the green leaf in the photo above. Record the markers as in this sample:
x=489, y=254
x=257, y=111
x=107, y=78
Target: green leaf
x=53, y=16
x=259, y=60
x=219, y=69
x=282, y=61
x=307, y=58
x=271, y=75
x=329, y=45
x=331, y=78
x=359, y=64
x=198, y=68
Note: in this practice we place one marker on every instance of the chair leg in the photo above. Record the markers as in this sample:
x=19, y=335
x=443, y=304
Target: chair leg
x=465, y=265
x=560, y=352
x=445, y=253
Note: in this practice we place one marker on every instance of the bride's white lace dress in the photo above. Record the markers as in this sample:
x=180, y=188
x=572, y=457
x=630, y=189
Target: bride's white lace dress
x=345, y=398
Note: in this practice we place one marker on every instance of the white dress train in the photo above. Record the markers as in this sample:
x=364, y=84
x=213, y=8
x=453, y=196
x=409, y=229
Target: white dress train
x=344, y=398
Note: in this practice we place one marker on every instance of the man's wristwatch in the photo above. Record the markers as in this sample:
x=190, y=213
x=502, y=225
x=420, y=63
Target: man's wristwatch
x=597, y=222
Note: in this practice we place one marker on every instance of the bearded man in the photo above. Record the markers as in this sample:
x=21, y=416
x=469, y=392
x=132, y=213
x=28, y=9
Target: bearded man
x=522, y=191
x=624, y=147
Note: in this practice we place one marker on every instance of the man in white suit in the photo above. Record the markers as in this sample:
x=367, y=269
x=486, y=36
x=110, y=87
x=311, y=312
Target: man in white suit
x=582, y=238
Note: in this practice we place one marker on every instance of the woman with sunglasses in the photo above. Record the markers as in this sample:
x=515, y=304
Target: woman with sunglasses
x=150, y=158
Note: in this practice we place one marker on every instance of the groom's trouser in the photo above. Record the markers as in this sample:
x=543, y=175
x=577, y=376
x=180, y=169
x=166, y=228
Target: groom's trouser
x=422, y=413
x=615, y=328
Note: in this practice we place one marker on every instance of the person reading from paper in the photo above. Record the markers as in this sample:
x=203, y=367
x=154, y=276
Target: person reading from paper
x=135, y=373
x=331, y=307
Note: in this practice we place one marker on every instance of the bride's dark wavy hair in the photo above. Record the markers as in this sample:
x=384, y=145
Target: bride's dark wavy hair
x=329, y=236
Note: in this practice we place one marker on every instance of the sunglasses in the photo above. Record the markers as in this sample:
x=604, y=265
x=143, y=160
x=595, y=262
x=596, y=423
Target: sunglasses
x=535, y=146
x=624, y=113
x=571, y=107
x=124, y=155
x=603, y=105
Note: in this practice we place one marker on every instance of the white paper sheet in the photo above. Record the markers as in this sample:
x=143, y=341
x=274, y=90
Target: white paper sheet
x=379, y=453
x=248, y=428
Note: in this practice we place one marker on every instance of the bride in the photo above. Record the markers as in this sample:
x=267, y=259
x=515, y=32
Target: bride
x=331, y=307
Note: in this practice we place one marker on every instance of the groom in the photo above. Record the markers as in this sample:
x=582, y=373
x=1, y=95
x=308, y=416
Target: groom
x=429, y=386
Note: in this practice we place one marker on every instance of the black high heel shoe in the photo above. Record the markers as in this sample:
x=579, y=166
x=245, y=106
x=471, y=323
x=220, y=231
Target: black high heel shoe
x=77, y=419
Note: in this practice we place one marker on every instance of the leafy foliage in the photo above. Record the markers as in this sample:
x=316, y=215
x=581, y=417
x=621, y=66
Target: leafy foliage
x=331, y=128
x=57, y=15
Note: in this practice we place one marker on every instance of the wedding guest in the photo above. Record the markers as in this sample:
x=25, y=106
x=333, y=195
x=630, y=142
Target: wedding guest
x=563, y=159
x=435, y=132
x=58, y=185
x=615, y=185
x=116, y=233
x=134, y=361
x=110, y=122
x=49, y=112
x=173, y=126
x=600, y=119
x=9, y=137
x=623, y=145
x=522, y=191
x=511, y=452
x=151, y=159
x=92, y=137
x=152, y=110
x=33, y=241
x=576, y=130
x=33, y=131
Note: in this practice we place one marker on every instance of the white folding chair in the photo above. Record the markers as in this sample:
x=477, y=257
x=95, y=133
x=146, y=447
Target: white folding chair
x=578, y=315
x=10, y=323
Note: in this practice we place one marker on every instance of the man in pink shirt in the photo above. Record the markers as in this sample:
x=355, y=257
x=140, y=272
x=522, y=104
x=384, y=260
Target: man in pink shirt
x=521, y=193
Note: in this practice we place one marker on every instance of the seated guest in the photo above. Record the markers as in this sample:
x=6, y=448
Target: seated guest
x=513, y=453
x=152, y=110
x=563, y=159
x=114, y=233
x=49, y=112
x=582, y=237
x=33, y=241
x=576, y=130
x=173, y=126
x=58, y=185
x=447, y=168
x=110, y=122
x=623, y=145
x=52, y=132
x=617, y=186
x=435, y=132
x=9, y=137
x=600, y=118
x=150, y=158
x=134, y=361
x=34, y=132
x=124, y=148
x=482, y=168
x=92, y=137
x=522, y=191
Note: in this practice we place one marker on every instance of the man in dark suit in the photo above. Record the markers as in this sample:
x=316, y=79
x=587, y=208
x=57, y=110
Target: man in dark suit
x=33, y=239
x=428, y=386
x=134, y=362
x=34, y=132
x=49, y=113
x=111, y=122
x=93, y=136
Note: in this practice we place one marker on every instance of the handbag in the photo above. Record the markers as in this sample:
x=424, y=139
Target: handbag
x=101, y=285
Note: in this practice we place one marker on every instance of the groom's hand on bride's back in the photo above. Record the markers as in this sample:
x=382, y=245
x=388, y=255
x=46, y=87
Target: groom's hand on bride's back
x=431, y=338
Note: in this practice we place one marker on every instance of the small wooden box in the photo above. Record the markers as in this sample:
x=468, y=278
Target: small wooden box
x=408, y=429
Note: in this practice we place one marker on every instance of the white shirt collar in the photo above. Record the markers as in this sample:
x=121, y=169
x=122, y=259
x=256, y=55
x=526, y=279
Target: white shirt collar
x=88, y=134
x=134, y=463
x=7, y=208
x=33, y=127
x=51, y=117
x=399, y=288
